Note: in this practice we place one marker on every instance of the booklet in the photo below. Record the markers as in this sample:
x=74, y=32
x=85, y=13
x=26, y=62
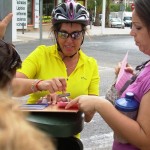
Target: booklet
x=34, y=106
x=123, y=76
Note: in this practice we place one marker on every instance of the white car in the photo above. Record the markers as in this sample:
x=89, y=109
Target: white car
x=116, y=23
x=127, y=21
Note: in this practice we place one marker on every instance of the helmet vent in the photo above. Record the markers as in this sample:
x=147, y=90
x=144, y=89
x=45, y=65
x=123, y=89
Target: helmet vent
x=71, y=15
x=64, y=7
x=78, y=8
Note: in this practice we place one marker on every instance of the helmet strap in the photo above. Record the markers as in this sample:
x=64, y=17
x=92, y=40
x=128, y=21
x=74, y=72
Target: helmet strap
x=82, y=41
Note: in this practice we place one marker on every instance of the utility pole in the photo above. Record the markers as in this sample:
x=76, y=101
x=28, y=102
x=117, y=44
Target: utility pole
x=41, y=15
x=125, y=4
x=5, y=8
x=95, y=10
x=103, y=16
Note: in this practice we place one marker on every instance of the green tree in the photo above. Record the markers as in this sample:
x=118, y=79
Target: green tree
x=91, y=7
x=128, y=8
x=107, y=12
x=114, y=7
x=98, y=11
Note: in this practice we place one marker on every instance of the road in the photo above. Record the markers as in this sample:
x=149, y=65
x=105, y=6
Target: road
x=108, y=50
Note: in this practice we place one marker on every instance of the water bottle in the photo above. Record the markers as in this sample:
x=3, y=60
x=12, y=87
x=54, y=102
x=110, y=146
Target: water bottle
x=129, y=107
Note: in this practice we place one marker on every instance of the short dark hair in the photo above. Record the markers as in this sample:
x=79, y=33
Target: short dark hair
x=142, y=8
x=57, y=27
x=9, y=61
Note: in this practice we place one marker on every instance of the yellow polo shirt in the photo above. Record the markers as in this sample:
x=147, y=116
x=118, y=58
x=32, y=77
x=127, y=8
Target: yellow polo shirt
x=45, y=63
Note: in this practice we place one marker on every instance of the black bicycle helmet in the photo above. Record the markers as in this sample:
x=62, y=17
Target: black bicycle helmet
x=70, y=11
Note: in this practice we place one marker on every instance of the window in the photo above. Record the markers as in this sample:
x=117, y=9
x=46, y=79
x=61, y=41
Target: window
x=30, y=11
x=48, y=6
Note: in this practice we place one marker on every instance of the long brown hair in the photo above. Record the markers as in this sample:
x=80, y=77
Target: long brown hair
x=18, y=134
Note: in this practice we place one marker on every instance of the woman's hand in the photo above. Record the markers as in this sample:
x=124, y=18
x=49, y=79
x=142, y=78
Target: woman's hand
x=4, y=23
x=128, y=69
x=52, y=99
x=86, y=104
x=53, y=85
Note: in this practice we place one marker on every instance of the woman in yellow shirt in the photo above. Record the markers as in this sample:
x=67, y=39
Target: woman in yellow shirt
x=65, y=58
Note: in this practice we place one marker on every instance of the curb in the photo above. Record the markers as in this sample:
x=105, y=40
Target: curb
x=94, y=31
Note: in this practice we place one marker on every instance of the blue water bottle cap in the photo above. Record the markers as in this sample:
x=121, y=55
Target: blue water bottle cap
x=127, y=104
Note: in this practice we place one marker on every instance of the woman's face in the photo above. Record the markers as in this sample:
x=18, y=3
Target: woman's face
x=140, y=33
x=71, y=43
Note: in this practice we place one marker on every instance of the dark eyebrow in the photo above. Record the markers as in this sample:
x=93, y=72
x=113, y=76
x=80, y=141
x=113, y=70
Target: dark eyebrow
x=63, y=30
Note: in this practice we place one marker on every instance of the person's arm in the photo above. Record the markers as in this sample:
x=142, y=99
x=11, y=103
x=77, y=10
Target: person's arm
x=4, y=23
x=24, y=86
x=136, y=132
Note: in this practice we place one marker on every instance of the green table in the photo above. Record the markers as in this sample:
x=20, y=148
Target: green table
x=61, y=126
x=58, y=124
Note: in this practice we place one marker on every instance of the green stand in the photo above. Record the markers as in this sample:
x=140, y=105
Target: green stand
x=62, y=126
x=58, y=124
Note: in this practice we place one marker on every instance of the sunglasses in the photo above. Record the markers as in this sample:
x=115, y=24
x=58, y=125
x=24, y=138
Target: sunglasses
x=74, y=35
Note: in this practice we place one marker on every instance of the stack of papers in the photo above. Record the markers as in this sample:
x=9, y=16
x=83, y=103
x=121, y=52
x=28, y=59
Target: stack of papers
x=33, y=106
x=123, y=76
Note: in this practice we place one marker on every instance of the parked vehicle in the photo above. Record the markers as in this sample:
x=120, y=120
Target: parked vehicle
x=116, y=23
x=125, y=16
x=127, y=21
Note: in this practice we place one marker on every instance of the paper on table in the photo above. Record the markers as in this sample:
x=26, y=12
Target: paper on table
x=123, y=76
x=52, y=109
x=33, y=106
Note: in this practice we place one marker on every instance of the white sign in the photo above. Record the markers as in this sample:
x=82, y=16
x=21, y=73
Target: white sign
x=21, y=14
x=36, y=14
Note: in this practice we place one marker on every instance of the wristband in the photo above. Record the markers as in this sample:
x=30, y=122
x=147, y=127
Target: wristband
x=36, y=85
x=33, y=86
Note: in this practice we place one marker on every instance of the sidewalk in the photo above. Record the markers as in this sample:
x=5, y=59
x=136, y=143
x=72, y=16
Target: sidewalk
x=94, y=31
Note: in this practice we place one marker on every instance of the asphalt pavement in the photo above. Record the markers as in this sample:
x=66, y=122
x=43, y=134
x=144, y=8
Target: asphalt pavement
x=92, y=31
